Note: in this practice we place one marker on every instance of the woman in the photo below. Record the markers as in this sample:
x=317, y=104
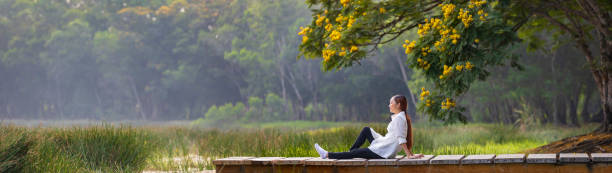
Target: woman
x=399, y=137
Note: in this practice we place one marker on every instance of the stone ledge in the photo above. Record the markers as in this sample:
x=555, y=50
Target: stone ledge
x=574, y=158
x=421, y=161
x=542, y=158
x=601, y=157
x=446, y=159
x=478, y=159
x=510, y=158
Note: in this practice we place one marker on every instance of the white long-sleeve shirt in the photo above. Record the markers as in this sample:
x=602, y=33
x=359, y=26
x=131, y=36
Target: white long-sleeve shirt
x=387, y=146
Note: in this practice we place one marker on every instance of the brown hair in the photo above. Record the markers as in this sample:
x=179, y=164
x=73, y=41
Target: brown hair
x=403, y=103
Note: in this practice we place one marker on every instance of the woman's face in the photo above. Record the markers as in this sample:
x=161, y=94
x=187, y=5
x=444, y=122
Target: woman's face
x=393, y=107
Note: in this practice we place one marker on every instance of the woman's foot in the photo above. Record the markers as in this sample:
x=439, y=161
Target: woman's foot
x=321, y=151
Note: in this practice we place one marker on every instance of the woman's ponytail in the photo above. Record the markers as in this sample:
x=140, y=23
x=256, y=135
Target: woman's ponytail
x=403, y=102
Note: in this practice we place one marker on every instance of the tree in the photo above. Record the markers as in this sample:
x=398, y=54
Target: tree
x=457, y=41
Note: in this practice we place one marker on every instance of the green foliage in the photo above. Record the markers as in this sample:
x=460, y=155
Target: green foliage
x=448, y=51
x=104, y=148
x=258, y=110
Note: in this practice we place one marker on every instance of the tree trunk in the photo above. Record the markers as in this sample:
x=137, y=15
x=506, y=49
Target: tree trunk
x=601, y=73
x=585, y=107
x=139, y=106
x=573, y=116
x=405, y=77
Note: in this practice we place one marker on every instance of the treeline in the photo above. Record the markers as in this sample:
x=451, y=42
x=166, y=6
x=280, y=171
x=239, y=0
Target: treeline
x=160, y=59
x=227, y=60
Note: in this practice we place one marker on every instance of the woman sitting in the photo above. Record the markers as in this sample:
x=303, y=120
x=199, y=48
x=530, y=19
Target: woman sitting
x=399, y=137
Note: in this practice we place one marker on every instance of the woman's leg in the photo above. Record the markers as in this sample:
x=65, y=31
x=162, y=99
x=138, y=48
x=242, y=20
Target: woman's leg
x=366, y=133
x=357, y=153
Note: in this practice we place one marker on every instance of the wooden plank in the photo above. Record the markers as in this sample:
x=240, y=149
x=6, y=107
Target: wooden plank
x=542, y=158
x=382, y=162
x=446, y=159
x=420, y=161
x=574, y=158
x=233, y=161
x=478, y=159
x=264, y=160
x=292, y=161
x=601, y=157
x=319, y=161
x=351, y=162
x=510, y=158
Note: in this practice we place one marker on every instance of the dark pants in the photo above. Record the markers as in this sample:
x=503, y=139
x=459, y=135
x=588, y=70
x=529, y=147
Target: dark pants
x=355, y=151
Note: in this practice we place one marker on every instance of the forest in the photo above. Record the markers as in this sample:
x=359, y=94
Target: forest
x=238, y=60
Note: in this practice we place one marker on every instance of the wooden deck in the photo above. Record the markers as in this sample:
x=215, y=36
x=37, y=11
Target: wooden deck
x=532, y=163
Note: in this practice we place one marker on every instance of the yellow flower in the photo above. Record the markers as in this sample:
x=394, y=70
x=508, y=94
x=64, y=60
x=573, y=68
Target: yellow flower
x=335, y=35
x=327, y=53
x=476, y=40
x=409, y=46
x=304, y=39
x=342, y=53
x=319, y=20
x=350, y=22
x=465, y=17
x=447, y=9
x=468, y=65
x=424, y=93
x=448, y=103
x=382, y=10
x=328, y=27
x=304, y=31
x=345, y=2
x=447, y=70
x=354, y=48
x=340, y=18
x=364, y=13
x=459, y=67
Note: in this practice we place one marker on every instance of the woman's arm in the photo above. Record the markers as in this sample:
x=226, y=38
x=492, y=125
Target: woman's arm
x=406, y=150
x=409, y=153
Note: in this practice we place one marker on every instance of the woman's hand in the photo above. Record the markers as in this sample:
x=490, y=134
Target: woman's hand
x=414, y=156
x=409, y=154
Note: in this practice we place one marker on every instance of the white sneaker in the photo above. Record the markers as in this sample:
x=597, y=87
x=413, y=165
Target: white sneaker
x=321, y=151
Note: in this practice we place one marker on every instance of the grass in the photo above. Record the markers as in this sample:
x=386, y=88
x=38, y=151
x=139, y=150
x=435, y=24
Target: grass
x=111, y=148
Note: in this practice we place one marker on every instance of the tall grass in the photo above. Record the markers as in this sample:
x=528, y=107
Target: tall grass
x=78, y=149
x=109, y=148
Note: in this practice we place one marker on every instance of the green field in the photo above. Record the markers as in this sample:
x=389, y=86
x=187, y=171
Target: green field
x=111, y=148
